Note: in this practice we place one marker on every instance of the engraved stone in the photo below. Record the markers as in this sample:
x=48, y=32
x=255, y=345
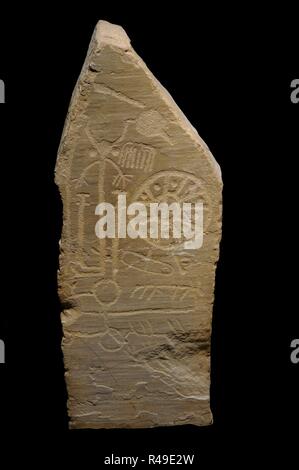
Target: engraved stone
x=136, y=312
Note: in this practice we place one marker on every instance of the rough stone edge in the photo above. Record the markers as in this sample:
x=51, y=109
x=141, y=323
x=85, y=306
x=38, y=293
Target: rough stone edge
x=107, y=34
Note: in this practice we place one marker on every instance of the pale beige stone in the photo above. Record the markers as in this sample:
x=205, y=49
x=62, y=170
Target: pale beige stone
x=136, y=313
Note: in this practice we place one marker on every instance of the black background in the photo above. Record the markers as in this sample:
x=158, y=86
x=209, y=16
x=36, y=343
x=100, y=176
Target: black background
x=230, y=71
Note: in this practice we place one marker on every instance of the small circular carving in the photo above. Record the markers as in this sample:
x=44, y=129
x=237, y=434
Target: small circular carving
x=107, y=292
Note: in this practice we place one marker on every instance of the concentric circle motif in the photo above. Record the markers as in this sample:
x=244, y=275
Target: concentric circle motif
x=173, y=186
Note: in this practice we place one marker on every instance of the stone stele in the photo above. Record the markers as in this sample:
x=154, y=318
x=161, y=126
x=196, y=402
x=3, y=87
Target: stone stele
x=136, y=312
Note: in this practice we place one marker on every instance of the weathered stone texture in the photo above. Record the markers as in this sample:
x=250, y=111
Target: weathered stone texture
x=136, y=313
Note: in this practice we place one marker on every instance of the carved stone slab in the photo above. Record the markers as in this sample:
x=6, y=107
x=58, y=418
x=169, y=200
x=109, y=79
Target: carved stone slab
x=136, y=312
